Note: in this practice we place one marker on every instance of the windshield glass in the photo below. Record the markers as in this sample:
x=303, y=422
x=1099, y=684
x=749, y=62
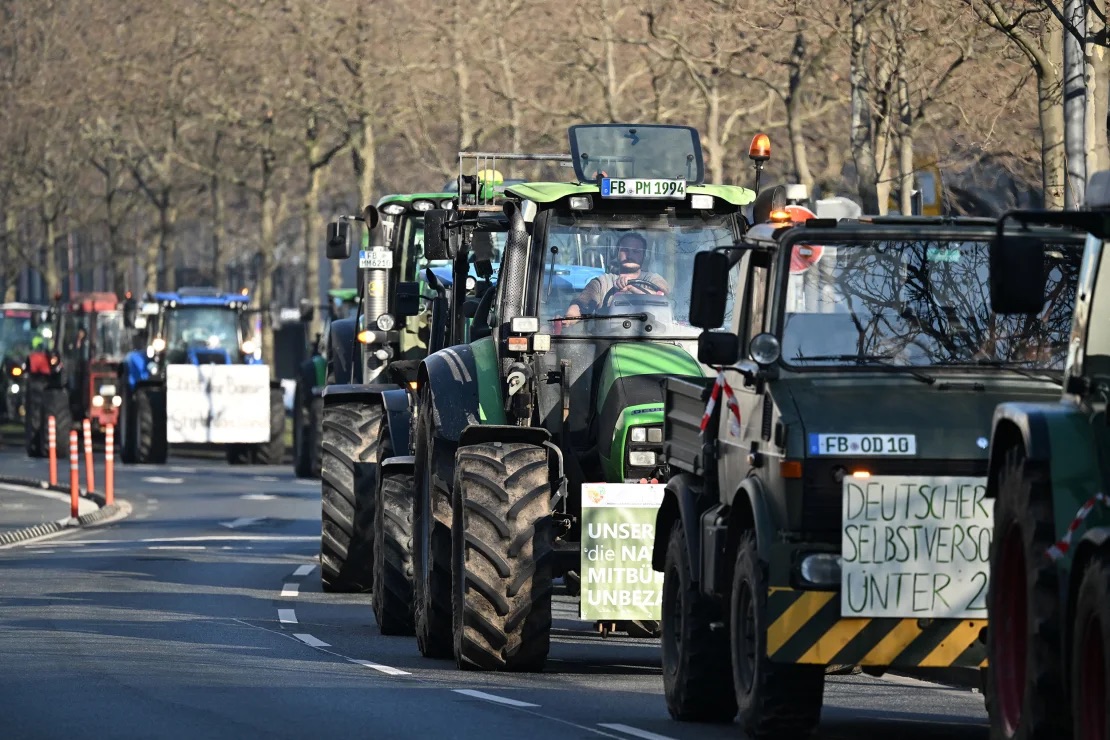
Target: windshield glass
x=201, y=327
x=15, y=333
x=110, y=334
x=634, y=267
x=918, y=302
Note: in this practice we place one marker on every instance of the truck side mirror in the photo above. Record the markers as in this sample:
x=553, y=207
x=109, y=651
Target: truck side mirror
x=308, y=311
x=709, y=294
x=1017, y=275
x=718, y=348
x=339, y=240
x=435, y=237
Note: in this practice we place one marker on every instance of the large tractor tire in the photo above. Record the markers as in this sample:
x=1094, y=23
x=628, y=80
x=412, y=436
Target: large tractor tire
x=393, y=567
x=501, y=543
x=238, y=454
x=273, y=451
x=33, y=418
x=1025, y=683
x=695, y=656
x=150, y=426
x=55, y=402
x=431, y=533
x=125, y=436
x=1090, y=653
x=350, y=455
x=773, y=700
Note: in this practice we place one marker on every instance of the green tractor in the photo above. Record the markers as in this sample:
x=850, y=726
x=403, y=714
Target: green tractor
x=308, y=404
x=371, y=363
x=1049, y=597
x=554, y=399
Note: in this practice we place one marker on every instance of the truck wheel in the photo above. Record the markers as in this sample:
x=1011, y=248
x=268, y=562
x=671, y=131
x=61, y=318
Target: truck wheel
x=695, y=657
x=1025, y=684
x=1090, y=656
x=393, y=570
x=302, y=434
x=350, y=451
x=150, y=423
x=501, y=557
x=431, y=535
x=126, y=433
x=774, y=700
x=55, y=402
x=33, y=418
x=272, y=452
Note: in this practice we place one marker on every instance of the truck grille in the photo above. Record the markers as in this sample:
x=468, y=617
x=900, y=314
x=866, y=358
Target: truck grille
x=821, y=497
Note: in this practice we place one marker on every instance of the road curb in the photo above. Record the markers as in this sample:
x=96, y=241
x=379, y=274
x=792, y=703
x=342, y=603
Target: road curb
x=103, y=515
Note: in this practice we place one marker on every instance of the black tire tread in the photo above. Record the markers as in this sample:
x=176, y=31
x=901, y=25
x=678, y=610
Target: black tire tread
x=1091, y=600
x=55, y=402
x=432, y=609
x=33, y=417
x=393, y=566
x=272, y=451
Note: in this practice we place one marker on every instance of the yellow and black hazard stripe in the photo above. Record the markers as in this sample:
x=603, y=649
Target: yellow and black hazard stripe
x=806, y=627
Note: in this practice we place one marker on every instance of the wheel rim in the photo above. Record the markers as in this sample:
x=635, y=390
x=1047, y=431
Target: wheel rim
x=1092, y=683
x=744, y=647
x=1008, y=660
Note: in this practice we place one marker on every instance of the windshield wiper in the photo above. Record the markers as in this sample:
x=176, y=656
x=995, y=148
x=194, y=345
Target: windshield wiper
x=1012, y=366
x=640, y=316
x=879, y=360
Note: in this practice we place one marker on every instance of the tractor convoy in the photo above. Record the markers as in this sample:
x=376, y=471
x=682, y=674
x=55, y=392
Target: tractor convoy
x=787, y=442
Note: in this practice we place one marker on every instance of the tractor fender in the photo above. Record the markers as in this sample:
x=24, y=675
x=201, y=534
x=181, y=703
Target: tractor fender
x=397, y=417
x=451, y=376
x=683, y=501
x=397, y=464
x=341, y=349
x=1013, y=421
x=355, y=392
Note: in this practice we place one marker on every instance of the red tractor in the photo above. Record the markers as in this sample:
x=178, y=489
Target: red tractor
x=74, y=373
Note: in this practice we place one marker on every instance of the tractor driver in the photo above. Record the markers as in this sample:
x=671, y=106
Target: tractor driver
x=626, y=275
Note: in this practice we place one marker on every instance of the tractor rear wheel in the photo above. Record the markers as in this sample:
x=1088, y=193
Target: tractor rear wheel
x=431, y=545
x=393, y=571
x=1025, y=683
x=695, y=656
x=501, y=557
x=350, y=457
x=150, y=426
x=1090, y=652
x=55, y=402
x=125, y=436
x=272, y=451
x=33, y=418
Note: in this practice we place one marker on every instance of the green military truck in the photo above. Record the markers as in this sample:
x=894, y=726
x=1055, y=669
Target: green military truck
x=1049, y=595
x=551, y=408
x=827, y=500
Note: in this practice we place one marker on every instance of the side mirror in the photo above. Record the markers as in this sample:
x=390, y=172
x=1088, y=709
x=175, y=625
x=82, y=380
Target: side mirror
x=370, y=217
x=435, y=237
x=339, y=240
x=710, y=293
x=407, y=299
x=308, y=311
x=718, y=348
x=1017, y=275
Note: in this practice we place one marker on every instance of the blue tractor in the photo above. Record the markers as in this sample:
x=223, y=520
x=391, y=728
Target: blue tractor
x=195, y=376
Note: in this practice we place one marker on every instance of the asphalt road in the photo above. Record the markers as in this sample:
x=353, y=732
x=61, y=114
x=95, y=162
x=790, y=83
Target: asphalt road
x=202, y=616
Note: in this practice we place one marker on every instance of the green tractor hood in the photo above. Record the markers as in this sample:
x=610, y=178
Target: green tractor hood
x=629, y=392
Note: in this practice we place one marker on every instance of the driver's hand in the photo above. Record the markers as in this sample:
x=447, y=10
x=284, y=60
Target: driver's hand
x=623, y=285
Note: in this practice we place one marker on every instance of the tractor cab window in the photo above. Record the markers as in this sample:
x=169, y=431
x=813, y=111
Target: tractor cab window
x=110, y=334
x=625, y=275
x=1097, y=354
x=411, y=243
x=16, y=334
x=918, y=303
x=200, y=328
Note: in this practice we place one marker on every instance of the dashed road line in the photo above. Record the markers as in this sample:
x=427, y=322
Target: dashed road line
x=244, y=521
x=175, y=547
x=494, y=698
x=287, y=616
x=303, y=570
x=257, y=496
x=162, y=481
x=311, y=641
x=388, y=670
x=633, y=731
x=289, y=589
x=265, y=479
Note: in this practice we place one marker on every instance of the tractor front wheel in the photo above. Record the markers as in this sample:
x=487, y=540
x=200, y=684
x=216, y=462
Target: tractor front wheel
x=501, y=542
x=393, y=571
x=431, y=545
x=150, y=426
x=1090, y=653
x=33, y=417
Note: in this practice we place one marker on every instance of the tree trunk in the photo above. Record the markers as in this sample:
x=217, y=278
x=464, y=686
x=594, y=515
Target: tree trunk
x=1051, y=112
x=713, y=133
x=860, y=135
x=461, y=71
x=50, y=258
x=10, y=256
x=365, y=157
x=1098, y=92
x=309, y=217
x=612, y=86
x=794, y=126
x=1075, y=106
x=266, y=276
x=167, y=254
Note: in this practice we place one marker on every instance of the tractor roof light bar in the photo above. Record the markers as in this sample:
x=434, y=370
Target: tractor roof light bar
x=479, y=189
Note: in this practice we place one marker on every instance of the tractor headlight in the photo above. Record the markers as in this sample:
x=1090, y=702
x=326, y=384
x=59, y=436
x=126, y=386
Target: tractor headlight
x=447, y=205
x=639, y=434
x=248, y=347
x=15, y=388
x=423, y=205
x=107, y=390
x=158, y=344
x=393, y=209
x=117, y=401
x=17, y=371
x=385, y=322
x=645, y=446
x=641, y=458
x=97, y=401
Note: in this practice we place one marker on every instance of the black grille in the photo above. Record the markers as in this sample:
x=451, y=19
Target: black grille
x=821, y=498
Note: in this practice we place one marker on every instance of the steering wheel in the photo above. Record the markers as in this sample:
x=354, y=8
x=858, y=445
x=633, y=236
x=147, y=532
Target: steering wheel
x=638, y=282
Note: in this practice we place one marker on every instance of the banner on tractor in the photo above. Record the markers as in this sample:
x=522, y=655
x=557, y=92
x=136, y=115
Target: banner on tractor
x=217, y=404
x=618, y=533
x=915, y=546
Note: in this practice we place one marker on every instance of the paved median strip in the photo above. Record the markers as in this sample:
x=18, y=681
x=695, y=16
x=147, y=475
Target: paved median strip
x=494, y=698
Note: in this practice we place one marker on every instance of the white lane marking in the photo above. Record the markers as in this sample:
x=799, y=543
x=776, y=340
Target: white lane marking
x=494, y=698
x=257, y=496
x=388, y=670
x=172, y=547
x=152, y=501
x=314, y=483
x=179, y=469
x=311, y=641
x=244, y=521
x=289, y=589
x=160, y=480
x=634, y=732
x=265, y=479
x=303, y=570
x=287, y=616
x=219, y=538
x=43, y=552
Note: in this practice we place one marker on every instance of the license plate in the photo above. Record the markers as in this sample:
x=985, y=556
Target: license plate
x=862, y=444
x=612, y=187
x=375, y=259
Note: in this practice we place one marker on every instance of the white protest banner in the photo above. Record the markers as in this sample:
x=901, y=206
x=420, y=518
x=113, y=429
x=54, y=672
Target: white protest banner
x=618, y=533
x=915, y=546
x=217, y=404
